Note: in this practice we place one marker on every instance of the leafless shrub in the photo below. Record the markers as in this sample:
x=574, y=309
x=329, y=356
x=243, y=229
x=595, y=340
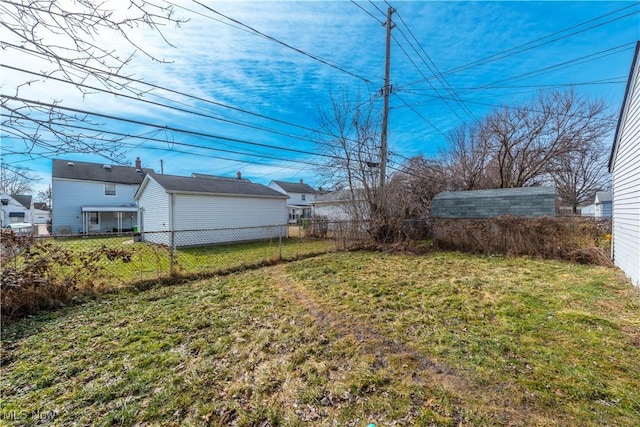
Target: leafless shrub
x=41, y=274
x=574, y=239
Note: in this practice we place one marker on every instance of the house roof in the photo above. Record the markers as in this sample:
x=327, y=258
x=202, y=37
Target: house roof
x=208, y=186
x=23, y=199
x=603, y=196
x=224, y=178
x=296, y=187
x=635, y=68
x=84, y=171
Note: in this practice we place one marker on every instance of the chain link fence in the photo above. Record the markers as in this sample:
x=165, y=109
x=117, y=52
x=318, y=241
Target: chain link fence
x=149, y=256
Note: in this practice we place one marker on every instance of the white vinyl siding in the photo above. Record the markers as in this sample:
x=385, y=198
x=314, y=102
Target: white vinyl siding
x=252, y=218
x=153, y=213
x=626, y=186
x=201, y=219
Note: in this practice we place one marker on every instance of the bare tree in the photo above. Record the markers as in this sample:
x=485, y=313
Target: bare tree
x=74, y=38
x=16, y=180
x=350, y=143
x=469, y=160
x=520, y=146
x=580, y=174
x=412, y=188
x=44, y=196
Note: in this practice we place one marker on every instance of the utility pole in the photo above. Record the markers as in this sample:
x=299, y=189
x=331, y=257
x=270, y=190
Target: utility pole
x=385, y=111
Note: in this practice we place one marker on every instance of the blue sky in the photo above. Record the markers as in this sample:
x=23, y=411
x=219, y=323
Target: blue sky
x=535, y=46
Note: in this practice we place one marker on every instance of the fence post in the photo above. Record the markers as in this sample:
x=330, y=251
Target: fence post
x=171, y=252
x=280, y=241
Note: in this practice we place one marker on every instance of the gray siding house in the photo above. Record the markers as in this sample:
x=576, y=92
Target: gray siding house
x=301, y=198
x=528, y=202
x=94, y=198
x=624, y=166
x=203, y=209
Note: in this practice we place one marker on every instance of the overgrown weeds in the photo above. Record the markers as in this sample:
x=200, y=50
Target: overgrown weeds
x=40, y=274
x=575, y=239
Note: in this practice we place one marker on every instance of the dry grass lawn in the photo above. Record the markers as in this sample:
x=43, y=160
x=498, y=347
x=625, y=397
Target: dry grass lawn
x=341, y=339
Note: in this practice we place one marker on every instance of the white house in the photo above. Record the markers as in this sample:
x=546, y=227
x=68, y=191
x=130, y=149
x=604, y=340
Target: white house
x=301, y=197
x=602, y=204
x=41, y=213
x=15, y=208
x=624, y=166
x=589, y=210
x=94, y=198
x=206, y=210
x=341, y=205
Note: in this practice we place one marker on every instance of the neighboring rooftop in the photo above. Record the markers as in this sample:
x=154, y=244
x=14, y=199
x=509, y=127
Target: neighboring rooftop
x=603, y=196
x=23, y=199
x=296, y=187
x=85, y=171
x=223, y=178
x=225, y=186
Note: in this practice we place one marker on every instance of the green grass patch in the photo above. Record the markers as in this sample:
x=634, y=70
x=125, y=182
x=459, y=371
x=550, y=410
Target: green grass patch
x=340, y=339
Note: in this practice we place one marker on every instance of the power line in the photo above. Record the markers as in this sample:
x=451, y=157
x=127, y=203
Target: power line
x=420, y=115
x=521, y=48
x=273, y=39
x=428, y=81
x=367, y=12
x=138, y=99
x=159, y=87
x=502, y=55
x=161, y=127
x=433, y=69
x=572, y=62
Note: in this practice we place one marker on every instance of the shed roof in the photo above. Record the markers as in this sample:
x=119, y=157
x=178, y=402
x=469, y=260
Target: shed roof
x=523, y=201
x=296, y=187
x=85, y=171
x=497, y=192
x=208, y=186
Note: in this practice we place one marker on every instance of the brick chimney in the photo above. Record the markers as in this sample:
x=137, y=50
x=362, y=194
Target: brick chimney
x=301, y=181
x=138, y=163
x=239, y=175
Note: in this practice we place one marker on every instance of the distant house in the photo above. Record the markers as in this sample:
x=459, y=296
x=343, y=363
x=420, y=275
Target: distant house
x=93, y=197
x=41, y=213
x=624, y=166
x=15, y=208
x=301, y=197
x=528, y=202
x=341, y=205
x=206, y=209
x=602, y=204
x=589, y=210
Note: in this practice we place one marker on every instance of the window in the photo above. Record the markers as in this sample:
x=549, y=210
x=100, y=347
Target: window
x=304, y=197
x=110, y=189
x=94, y=218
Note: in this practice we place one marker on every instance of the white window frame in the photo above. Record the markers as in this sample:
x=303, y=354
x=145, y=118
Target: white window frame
x=107, y=187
